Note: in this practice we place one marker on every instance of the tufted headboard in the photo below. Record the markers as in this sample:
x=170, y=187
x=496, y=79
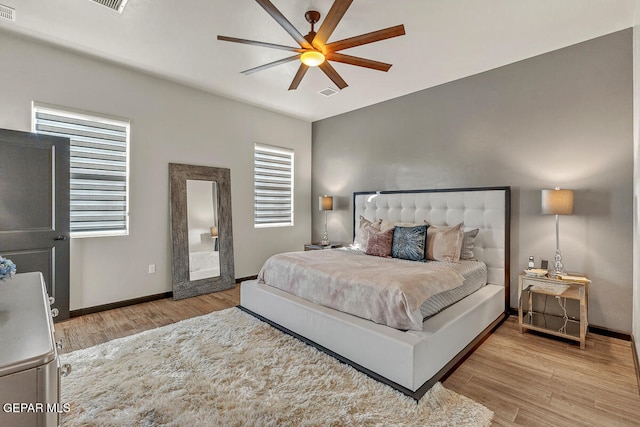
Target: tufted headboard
x=487, y=209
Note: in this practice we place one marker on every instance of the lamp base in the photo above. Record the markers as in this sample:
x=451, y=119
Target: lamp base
x=325, y=235
x=558, y=265
x=325, y=239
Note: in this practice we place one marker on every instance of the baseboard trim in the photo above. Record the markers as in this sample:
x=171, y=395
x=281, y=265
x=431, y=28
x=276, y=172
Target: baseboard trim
x=594, y=329
x=119, y=304
x=134, y=301
x=636, y=361
x=609, y=333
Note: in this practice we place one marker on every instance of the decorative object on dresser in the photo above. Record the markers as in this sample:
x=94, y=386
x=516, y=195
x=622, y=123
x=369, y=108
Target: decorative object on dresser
x=229, y=368
x=561, y=289
x=29, y=365
x=325, y=204
x=557, y=202
x=7, y=268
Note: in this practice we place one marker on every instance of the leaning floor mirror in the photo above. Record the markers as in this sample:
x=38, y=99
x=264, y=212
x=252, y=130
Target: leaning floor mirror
x=201, y=231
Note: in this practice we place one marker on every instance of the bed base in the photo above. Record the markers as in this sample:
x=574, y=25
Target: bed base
x=422, y=390
x=409, y=361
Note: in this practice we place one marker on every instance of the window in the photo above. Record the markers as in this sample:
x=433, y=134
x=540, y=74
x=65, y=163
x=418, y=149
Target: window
x=273, y=186
x=99, y=188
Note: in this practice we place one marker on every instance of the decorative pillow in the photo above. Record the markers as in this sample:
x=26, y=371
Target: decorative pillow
x=444, y=243
x=361, y=237
x=468, y=241
x=410, y=243
x=379, y=242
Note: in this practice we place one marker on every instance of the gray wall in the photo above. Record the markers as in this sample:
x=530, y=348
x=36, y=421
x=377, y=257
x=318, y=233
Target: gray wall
x=169, y=123
x=636, y=181
x=560, y=119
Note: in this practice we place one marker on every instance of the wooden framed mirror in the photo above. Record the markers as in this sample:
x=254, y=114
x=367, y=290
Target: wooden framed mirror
x=201, y=230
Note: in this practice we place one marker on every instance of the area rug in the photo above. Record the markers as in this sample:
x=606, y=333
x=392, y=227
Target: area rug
x=228, y=368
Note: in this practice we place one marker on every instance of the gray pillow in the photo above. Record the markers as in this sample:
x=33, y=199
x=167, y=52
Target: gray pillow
x=468, y=241
x=410, y=243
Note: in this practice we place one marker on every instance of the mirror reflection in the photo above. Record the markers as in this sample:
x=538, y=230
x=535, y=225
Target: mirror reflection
x=202, y=224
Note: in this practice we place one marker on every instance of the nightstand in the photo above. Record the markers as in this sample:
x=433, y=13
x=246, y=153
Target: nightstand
x=320, y=246
x=558, y=325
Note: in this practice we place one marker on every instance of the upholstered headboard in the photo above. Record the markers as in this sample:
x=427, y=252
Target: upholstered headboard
x=487, y=209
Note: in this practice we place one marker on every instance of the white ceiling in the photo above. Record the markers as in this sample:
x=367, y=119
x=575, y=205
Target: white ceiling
x=446, y=40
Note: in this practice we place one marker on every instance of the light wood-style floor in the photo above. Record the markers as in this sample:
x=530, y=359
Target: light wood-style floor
x=527, y=379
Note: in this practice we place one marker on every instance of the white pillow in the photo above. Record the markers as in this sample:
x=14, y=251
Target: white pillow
x=361, y=238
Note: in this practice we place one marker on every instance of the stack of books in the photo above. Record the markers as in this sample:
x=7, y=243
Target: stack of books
x=573, y=278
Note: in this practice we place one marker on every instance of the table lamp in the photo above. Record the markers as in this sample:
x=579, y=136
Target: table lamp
x=326, y=204
x=557, y=202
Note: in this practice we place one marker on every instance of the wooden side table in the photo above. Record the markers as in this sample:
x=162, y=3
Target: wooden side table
x=561, y=326
x=320, y=246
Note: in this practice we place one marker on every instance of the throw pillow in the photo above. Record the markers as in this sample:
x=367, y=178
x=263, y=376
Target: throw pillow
x=444, y=243
x=468, y=241
x=409, y=243
x=362, y=236
x=379, y=242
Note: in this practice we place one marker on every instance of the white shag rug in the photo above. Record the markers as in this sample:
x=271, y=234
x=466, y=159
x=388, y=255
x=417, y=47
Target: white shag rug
x=229, y=369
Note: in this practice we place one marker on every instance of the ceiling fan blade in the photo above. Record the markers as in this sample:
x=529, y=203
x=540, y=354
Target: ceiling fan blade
x=335, y=14
x=257, y=43
x=298, y=77
x=360, y=62
x=270, y=64
x=284, y=23
x=374, y=36
x=333, y=75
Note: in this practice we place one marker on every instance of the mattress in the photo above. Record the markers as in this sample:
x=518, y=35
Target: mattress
x=474, y=274
x=382, y=290
x=475, y=277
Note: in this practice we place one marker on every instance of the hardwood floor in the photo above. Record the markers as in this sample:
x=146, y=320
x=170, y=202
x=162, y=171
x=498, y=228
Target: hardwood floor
x=91, y=329
x=526, y=379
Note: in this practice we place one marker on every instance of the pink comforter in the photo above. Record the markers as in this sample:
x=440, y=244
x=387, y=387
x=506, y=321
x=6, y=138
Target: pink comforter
x=383, y=290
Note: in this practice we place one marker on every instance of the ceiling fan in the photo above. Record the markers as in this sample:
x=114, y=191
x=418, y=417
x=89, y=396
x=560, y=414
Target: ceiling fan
x=314, y=49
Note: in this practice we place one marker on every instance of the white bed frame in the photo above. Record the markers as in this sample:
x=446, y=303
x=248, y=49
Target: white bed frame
x=409, y=361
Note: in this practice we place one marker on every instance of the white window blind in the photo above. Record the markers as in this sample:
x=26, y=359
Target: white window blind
x=273, y=186
x=98, y=169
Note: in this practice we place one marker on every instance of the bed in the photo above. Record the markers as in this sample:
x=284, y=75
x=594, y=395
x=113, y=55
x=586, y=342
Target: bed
x=204, y=264
x=409, y=360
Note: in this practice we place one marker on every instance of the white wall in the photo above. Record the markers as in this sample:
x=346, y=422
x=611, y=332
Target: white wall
x=169, y=123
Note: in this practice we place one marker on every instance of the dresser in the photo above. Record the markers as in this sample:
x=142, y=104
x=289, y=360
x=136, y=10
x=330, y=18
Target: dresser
x=29, y=368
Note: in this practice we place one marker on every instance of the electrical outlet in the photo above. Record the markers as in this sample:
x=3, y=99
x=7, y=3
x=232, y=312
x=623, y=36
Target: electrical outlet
x=152, y=268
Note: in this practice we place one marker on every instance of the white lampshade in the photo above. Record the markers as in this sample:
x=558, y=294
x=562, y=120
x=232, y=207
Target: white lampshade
x=557, y=202
x=326, y=203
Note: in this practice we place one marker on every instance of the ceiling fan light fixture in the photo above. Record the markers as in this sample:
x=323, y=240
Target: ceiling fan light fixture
x=312, y=58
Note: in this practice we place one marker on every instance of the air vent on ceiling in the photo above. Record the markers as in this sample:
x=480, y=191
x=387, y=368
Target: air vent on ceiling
x=7, y=13
x=117, y=5
x=328, y=92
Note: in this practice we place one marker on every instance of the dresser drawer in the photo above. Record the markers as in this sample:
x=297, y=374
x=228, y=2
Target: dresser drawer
x=29, y=370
